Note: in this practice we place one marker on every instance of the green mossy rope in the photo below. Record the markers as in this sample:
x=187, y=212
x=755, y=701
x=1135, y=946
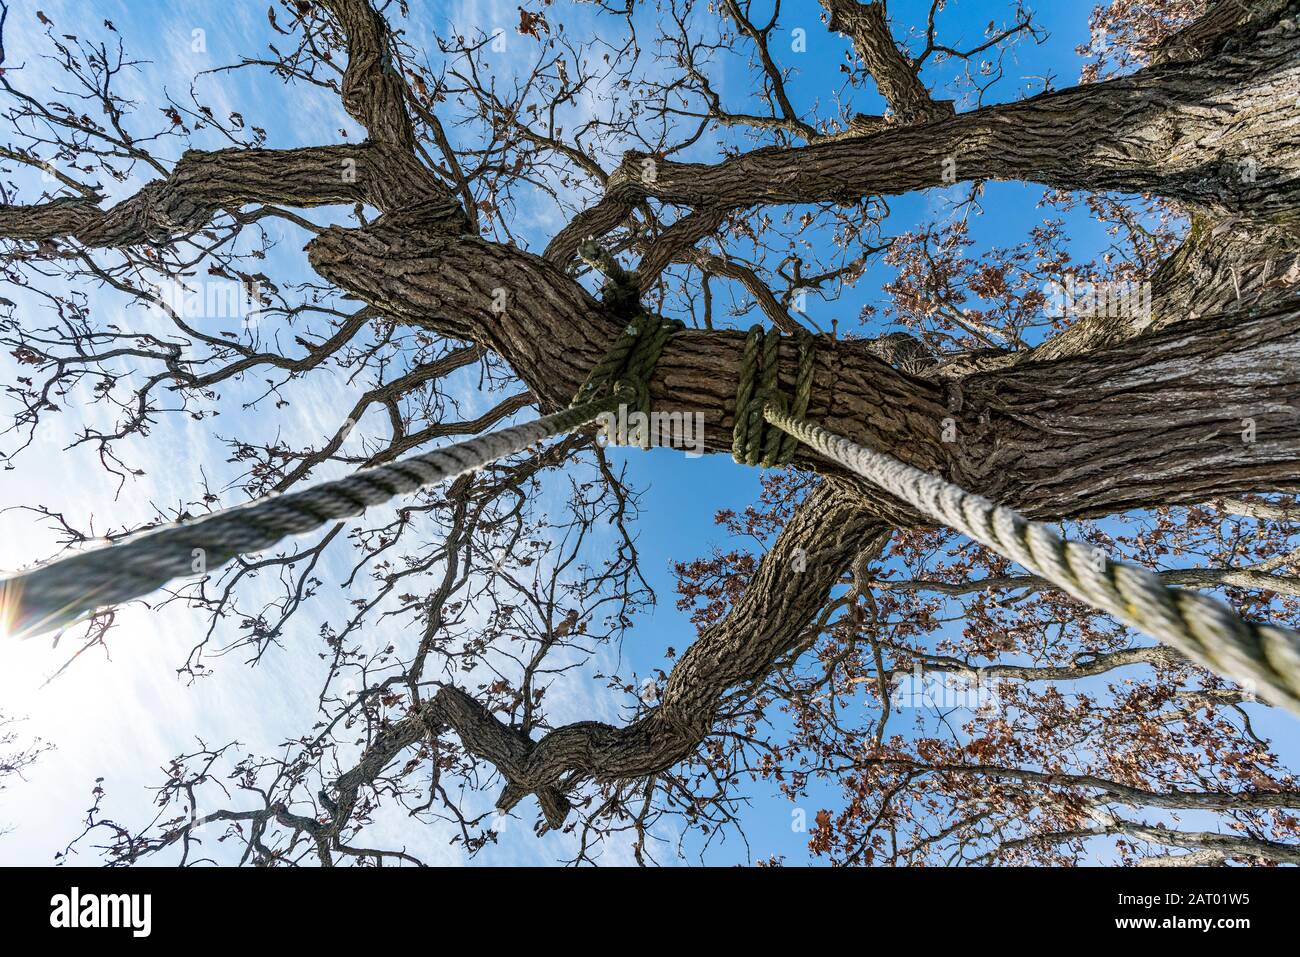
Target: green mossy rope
x=753, y=442
x=631, y=360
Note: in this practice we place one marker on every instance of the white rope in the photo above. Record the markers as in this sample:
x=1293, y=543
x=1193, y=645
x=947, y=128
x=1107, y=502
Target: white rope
x=61, y=592
x=1262, y=658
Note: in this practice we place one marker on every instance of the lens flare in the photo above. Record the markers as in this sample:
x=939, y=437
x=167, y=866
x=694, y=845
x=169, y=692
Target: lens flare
x=8, y=610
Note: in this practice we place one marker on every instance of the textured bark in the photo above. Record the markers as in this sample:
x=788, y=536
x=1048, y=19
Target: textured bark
x=1152, y=421
x=898, y=83
x=1182, y=131
x=826, y=532
x=1214, y=28
x=373, y=91
x=1165, y=412
x=1222, y=267
x=203, y=183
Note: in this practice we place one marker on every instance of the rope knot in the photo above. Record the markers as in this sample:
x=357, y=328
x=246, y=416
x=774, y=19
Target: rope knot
x=754, y=441
x=630, y=362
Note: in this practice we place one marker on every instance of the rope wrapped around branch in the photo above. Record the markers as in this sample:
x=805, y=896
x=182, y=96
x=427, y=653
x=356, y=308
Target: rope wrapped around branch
x=631, y=360
x=752, y=443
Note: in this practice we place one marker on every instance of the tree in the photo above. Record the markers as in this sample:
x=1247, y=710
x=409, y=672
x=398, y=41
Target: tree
x=1019, y=376
x=17, y=754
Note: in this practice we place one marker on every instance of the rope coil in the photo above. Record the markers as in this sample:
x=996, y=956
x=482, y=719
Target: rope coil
x=632, y=358
x=630, y=361
x=751, y=442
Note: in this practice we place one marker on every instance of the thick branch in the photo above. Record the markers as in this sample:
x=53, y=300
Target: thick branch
x=1214, y=28
x=204, y=183
x=1159, y=131
x=1222, y=266
x=897, y=81
x=373, y=90
x=1155, y=421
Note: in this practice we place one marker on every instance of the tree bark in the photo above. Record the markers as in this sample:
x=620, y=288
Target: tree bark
x=828, y=529
x=896, y=79
x=1165, y=130
x=1156, y=420
x=203, y=183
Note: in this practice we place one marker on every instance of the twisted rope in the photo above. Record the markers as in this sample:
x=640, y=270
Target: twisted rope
x=751, y=442
x=1261, y=657
x=632, y=358
x=630, y=362
x=57, y=594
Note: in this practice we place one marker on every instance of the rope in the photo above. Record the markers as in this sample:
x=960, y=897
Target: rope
x=751, y=442
x=632, y=358
x=1256, y=655
x=59, y=593
x=630, y=362
x=1260, y=657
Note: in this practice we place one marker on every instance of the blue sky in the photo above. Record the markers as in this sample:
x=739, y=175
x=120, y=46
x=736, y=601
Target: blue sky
x=123, y=718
